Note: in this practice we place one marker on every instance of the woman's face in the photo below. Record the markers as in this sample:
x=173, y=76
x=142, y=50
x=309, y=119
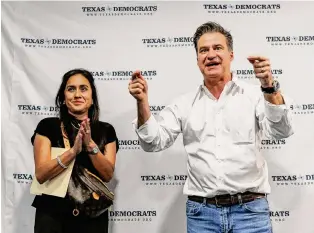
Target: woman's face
x=78, y=95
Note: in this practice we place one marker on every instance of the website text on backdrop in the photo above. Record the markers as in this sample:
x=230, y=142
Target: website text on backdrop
x=90, y=146
x=222, y=122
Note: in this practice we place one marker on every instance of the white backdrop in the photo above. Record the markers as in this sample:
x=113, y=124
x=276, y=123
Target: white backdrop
x=43, y=40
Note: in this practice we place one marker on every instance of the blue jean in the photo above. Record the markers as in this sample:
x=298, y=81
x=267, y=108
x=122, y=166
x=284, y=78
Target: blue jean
x=250, y=217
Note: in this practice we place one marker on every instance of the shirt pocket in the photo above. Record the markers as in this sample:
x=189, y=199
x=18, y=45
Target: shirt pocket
x=239, y=120
x=198, y=125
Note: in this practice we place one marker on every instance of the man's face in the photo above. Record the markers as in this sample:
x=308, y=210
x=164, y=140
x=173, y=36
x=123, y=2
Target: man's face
x=213, y=55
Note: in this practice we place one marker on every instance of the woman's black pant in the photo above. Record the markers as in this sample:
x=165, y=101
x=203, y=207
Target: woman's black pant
x=46, y=222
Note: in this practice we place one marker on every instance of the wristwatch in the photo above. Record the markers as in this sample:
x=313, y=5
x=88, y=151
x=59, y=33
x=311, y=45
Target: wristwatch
x=270, y=90
x=94, y=150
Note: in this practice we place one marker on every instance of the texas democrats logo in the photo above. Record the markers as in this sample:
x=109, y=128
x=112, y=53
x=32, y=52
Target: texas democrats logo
x=119, y=10
x=245, y=9
x=279, y=216
x=37, y=110
x=302, y=109
x=300, y=40
x=132, y=215
x=58, y=43
x=23, y=178
x=121, y=75
x=272, y=144
x=156, y=109
x=168, y=42
x=129, y=144
x=248, y=74
x=164, y=180
x=293, y=180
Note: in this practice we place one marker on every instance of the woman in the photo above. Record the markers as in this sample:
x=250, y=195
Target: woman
x=93, y=145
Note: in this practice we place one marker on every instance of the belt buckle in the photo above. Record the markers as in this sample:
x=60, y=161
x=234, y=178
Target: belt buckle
x=232, y=199
x=216, y=200
x=240, y=200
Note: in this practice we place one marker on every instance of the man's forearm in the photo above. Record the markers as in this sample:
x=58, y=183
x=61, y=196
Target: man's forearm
x=275, y=98
x=143, y=112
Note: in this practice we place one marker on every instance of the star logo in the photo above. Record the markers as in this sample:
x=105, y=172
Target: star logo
x=169, y=39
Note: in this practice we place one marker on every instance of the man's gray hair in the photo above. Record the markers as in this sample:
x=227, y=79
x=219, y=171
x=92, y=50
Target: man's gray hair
x=212, y=27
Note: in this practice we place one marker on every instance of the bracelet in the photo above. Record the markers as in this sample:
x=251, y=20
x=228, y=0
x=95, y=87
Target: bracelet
x=60, y=163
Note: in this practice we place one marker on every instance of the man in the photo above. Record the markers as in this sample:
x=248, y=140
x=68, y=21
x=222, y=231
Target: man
x=222, y=123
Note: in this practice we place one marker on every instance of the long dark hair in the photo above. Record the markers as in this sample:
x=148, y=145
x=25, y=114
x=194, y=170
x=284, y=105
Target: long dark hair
x=68, y=120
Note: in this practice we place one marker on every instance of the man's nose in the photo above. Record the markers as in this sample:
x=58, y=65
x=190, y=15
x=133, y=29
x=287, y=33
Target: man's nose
x=211, y=54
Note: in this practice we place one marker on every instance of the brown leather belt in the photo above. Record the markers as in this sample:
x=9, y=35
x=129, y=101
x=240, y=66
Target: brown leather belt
x=228, y=200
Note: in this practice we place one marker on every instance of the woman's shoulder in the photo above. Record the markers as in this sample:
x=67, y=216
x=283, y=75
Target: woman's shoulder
x=47, y=127
x=107, y=128
x=104, y=124
x=49, y=122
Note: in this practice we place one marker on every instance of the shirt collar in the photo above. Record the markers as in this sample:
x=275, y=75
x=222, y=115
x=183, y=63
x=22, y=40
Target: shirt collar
x=228, y=87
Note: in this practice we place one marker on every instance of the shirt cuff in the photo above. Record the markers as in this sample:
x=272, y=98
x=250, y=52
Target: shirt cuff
x=148, y=131
x=275, y=112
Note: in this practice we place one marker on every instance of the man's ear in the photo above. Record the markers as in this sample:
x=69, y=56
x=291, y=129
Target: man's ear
x=231, y=56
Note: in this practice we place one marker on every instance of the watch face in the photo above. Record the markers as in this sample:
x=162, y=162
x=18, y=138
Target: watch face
x=272, y=89
x=95, y=150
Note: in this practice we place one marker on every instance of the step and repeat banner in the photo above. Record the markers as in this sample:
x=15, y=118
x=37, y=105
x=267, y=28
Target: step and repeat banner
x=43, y=40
